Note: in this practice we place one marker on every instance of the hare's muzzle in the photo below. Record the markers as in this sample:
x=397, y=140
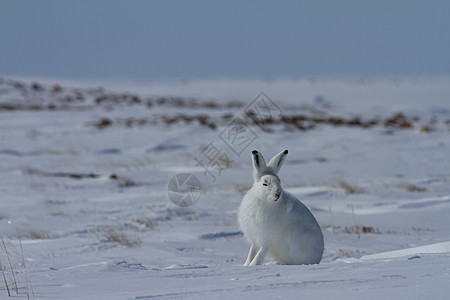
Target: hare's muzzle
x=277, y=194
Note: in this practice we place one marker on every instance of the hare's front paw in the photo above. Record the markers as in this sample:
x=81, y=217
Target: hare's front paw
x=271, y=263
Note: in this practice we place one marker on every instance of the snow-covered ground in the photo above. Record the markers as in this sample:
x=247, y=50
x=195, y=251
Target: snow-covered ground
x=84, y=170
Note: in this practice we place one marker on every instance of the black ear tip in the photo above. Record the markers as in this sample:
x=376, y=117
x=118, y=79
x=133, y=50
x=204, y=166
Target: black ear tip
x=254, y=152
x=285, y=152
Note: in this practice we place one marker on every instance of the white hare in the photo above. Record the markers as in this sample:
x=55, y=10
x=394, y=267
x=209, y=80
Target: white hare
x=276, y=222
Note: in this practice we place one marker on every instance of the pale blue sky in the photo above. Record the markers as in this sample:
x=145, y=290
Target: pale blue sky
x=224, y=39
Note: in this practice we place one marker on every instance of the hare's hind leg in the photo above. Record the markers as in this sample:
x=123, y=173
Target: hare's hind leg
x=251, y=255
x=259, y=258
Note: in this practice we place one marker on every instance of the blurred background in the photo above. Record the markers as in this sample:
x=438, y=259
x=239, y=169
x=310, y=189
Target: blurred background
x=223, y=39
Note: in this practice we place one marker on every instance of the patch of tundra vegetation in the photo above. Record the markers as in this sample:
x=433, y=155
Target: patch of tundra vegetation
x=84, y=176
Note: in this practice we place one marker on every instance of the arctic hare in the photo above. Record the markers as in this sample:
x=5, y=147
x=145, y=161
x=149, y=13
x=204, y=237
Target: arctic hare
x=276, y=222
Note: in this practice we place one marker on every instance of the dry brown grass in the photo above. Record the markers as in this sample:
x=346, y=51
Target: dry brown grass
x=36, y=234
x=119, y=236
x=11, y=267
x=320, y=159
x=13, y=280
x=411, y=187
x=349, y=253
x=4, y=279
x=25, y=271
x=357, y=229
x=116, y=233
x=351, y=189
x=58, y=213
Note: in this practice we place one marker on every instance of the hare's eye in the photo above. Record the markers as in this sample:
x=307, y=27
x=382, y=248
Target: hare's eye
x=265, y=184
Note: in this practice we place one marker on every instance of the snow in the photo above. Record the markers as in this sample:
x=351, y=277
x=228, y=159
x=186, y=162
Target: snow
x=88, y=199
x=443, y=247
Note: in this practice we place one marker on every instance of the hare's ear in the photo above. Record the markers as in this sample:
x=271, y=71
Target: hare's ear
x=259, y=165
x=276, y=162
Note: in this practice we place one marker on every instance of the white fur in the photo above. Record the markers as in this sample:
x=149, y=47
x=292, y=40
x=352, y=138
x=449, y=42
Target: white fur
x=275, y=222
